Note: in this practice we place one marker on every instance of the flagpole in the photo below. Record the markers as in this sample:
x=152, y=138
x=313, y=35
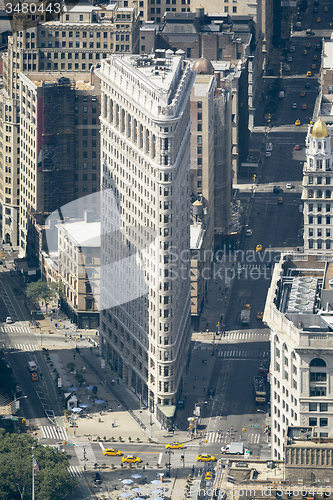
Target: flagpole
x=33, y=477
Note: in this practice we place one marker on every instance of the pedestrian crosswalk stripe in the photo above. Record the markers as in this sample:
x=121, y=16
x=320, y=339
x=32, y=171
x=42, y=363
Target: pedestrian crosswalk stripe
x=15, y=329
x=216, y=437
x=243, y=354
x=75, y=471
x=25, y=347
x=245, y=335
x=52, y=432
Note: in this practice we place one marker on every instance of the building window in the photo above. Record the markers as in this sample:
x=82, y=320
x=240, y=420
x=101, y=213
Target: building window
x=323, y=422
x=312, y=421
x=317, y=391
x=312, y=406
x=317, y=377
x=323, y=406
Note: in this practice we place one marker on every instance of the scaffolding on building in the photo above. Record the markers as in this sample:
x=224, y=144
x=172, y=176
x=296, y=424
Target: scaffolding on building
x=57, y=152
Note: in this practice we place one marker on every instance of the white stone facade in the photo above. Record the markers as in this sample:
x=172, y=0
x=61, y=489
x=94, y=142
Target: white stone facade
x=145, y=154
x=301, y=371
x=317, y=195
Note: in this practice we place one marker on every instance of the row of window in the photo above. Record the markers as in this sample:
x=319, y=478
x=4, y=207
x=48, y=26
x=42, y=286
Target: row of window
x=313, y=422
x=84, y=45
x=319, y=219
x=320, y=244
x=319, y=180
x=78, y=34
x=319, y=233
x=319, y=193
x=319, y=207
x=319, y=164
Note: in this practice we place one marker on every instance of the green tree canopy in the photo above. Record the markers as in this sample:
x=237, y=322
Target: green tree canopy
x=7, y=381
x=52, y=482
x=42, y=290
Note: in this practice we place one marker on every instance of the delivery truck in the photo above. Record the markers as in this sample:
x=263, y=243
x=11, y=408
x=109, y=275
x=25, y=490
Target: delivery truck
x=233, y=449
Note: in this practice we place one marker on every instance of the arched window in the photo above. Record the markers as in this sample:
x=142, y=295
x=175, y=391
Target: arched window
x=317, y=362
x=327, y=193
x=319, y=244
x=310, y=193
x=319, y=193
x=328, y=244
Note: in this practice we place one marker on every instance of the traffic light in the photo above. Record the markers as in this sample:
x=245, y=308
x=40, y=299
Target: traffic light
x=64, y=442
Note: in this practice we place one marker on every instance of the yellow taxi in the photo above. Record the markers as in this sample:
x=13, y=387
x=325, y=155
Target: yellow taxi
x=131, y=459
x=280, y=201
x=308, y=45
x=260, y=315
x=302, y=94
x=305, y=52
x=34, y=376
x=318, y=19
x=304, y=106
x=112, y=452
x=297, y=122
x=308, y=73
x=325, y=8
x=174, y=446
x=206, y=458
x=259, y=248
x=315, y=57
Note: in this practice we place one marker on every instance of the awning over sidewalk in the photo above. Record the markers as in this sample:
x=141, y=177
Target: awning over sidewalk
x=165, y=414
x=167, y=410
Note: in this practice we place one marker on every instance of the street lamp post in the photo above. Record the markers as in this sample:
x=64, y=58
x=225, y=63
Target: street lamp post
x=169, y=462
x=151, y=426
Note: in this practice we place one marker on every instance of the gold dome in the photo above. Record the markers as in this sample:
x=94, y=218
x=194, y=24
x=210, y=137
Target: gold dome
x=203, y=66
x=319, y=129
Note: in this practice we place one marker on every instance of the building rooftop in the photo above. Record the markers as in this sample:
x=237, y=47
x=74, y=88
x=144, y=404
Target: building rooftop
x=161, y=76
x=84, y=234
x=196, y=235
x=327, y=60
x=306, y=437
x=302, y=292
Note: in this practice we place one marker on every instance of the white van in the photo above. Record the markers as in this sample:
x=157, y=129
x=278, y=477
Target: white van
x=32, y=366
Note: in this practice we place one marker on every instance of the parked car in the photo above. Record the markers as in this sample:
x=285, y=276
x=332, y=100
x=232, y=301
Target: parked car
x=248, y=232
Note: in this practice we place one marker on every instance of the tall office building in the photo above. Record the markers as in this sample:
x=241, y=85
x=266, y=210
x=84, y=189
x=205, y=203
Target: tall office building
x=317, y=191
x=75, y=41
x=59, y=145
x=299, y=313
x=145, y=151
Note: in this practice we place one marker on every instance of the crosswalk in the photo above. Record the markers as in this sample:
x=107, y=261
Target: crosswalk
x=238, y=335
x=85, y=453
x=25, y=347
x=216, y=437
x=53, y=432
x=244, y=354
x=250, y=267
x=75, y=471
x=15, y=329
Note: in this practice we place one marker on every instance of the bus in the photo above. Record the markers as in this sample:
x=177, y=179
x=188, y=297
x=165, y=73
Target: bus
x=259, y=390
